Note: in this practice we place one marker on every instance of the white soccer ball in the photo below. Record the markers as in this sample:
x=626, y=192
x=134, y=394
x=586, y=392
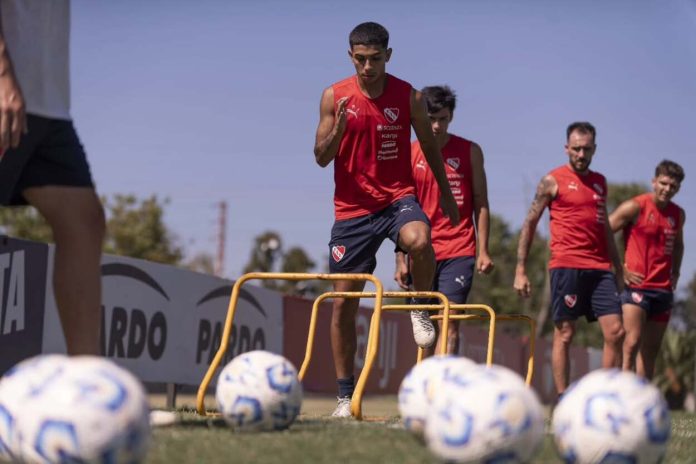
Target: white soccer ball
x=15, y=387
x=259, y=391
x=610, y=415
x=422, y=384
x=487, y=415
x=85, y=409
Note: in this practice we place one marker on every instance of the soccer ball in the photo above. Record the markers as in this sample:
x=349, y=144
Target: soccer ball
x=25, y=377
x=81, y=409
x=487, y=415
x=610, y=415
x=422, y=384
x=259, y=391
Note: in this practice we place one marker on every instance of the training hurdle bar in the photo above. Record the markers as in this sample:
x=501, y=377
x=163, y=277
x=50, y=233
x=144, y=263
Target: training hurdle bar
x=492, y=317
x=373, y=332
x=232, y=307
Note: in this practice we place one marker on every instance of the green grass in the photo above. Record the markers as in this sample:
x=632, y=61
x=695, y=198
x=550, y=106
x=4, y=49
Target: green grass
x=315, y=438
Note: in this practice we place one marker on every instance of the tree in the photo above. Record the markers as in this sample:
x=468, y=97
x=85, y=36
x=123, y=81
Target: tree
x=136, y=228
x=202, y=262
x=496, y=289
x=25, y=222
x=675, y=370
x=268, y=255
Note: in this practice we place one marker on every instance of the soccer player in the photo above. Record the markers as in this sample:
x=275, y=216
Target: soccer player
x=455, y=246
x=652, y=230
x=582, y=252
x=365, y=129
x=42, y=162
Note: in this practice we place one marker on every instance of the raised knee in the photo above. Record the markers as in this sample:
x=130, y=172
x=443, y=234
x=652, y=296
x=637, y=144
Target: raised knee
x=419, y=245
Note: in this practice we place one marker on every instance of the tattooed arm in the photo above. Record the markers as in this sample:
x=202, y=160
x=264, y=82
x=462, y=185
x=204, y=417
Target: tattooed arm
x=546, y=191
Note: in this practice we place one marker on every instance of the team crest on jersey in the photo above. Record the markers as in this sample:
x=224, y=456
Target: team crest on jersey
x=651, y=218
x=672, y=222
x=636, y=297
x=420, y=165
x=392, y=114
x=338, y=252
x=570, y=300
x=598, y=188
x=453, y=162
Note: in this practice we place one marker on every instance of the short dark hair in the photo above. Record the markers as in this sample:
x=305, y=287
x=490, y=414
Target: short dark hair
x=670, y=169
x=438, y=97
x=369, y=33
x=583, y=127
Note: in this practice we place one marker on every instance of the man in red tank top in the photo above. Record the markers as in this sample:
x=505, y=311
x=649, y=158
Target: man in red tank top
x=582, y=253
x=455, y=246
x=364, y=128
x=652, y=230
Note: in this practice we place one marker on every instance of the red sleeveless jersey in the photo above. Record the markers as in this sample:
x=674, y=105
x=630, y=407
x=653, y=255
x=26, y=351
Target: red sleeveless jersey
x=372, y=167
x=578, y=234
x=650, y=242
x=448, y=241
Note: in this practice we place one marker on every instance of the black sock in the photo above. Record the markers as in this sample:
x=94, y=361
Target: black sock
x=420, y=301
x=346, y=387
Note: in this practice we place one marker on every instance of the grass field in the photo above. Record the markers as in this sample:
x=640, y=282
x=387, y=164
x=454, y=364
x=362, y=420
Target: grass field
x=316, y=438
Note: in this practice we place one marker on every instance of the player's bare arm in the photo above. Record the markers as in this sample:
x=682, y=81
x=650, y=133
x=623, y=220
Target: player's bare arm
x=678, y=253
x=401, y=274
x=545, y=193
x=13, y=119
x=626, y=213
x=421, y=126
x=484, y=263
x=332, y=125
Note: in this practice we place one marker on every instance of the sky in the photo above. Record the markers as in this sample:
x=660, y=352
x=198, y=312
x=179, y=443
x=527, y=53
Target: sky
x=209, y=101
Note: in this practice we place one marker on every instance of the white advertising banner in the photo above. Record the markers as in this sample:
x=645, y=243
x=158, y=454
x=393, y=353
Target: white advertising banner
x=165, y=324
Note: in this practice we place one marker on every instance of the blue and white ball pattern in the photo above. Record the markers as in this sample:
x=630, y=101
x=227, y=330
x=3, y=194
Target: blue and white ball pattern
x=422, y=384
x=612, y=416
x=84, y=409
x=487, y=415
x=259, y=391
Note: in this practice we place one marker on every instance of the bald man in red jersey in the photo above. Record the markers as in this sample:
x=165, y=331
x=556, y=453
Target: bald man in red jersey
x=652, y=230
x=365, y=129
x=582, y=253
x=455, y=246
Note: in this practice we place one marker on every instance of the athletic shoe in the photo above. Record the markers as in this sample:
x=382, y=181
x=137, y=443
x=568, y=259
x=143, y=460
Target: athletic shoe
x=423, y=328
x=343, y=407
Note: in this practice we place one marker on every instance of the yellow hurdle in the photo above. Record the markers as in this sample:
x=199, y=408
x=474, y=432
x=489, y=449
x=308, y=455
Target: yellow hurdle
x=373, y=332
x=492, y=318
x=369, y=359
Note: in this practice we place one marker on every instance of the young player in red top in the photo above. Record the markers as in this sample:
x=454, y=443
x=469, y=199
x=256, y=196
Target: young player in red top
x=582, y=253
x=652, y=231
x=455, y=246
x=364, y=128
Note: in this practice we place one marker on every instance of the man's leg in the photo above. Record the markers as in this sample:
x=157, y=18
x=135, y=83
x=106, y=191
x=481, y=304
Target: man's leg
x=343, y=335
x=560, y=354
x=653, y=333
x=633, y=319
x=344, y=343
x=76, y=217
x=453, y=278
x=613, y=332
x=414, y=238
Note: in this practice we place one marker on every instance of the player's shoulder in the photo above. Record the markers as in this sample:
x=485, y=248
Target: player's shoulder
x=343, y=84
x=397, y=82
